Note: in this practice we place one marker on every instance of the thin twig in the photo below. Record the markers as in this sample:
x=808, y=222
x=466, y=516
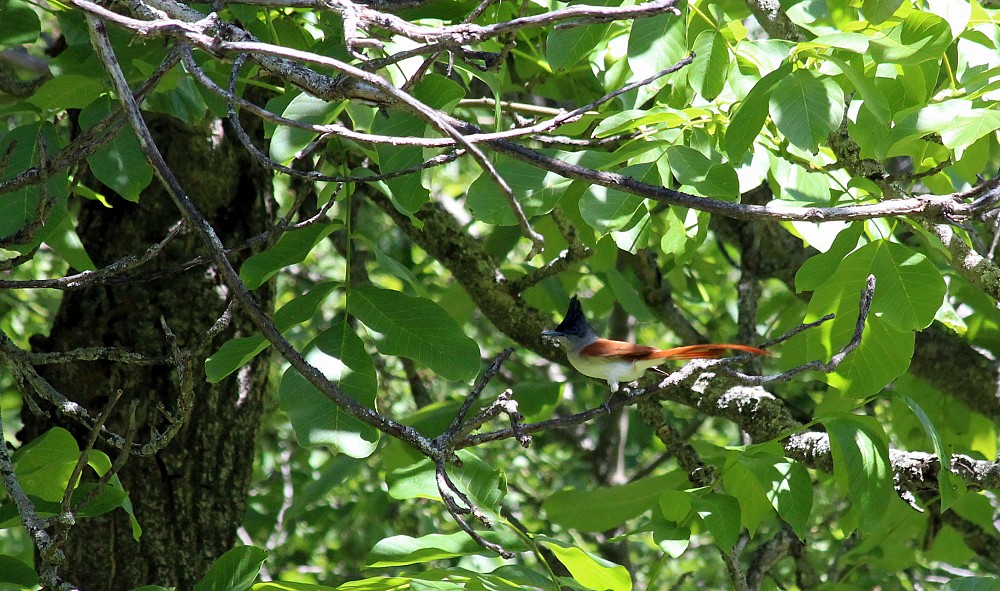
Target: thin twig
x=448, y=492
x=477, y=389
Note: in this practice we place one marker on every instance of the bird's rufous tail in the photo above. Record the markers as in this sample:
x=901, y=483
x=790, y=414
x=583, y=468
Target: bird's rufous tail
x=704, y=351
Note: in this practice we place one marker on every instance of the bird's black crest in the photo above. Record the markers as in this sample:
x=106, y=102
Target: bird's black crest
x=574, y=320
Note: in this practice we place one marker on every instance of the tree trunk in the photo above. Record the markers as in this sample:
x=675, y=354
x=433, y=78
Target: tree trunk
x=190, y=497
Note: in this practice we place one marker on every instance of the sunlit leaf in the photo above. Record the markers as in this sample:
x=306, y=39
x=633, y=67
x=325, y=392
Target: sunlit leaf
x=806, y=107
x=235, y=570
x=402, y=550
x=589, y=570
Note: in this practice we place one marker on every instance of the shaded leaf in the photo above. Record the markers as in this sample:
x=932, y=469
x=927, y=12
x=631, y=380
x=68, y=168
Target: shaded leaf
x=20, y=206
x=574, y=508
x=861, y=466
x=15, y=572
x=288, y=141
x=119, y=164
x=949, y=485
x=564, y=48
x=418, y=328
x=293, y=247
x=237, y=352
x=20, y=26
x=721, y=514
x=340, y=354
x=921, y=37
x=710, y=67
x=481, y=481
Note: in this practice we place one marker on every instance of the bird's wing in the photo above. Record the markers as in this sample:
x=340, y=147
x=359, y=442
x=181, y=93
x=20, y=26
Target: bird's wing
x=620, y=349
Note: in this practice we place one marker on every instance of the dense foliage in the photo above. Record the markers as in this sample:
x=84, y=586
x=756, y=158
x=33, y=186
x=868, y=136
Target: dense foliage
x=816, y=178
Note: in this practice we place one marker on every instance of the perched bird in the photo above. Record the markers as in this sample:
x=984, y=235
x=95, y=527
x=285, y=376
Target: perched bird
x=618, y=361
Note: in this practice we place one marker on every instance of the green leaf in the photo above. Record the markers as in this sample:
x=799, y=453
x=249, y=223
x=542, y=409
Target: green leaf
x=817, y=268
x=654, y=44
x=763, y=480
x=417, y=328
x=675, y=505
x=120, y=163
x=748, y=119
x=872, y=96
x=710, y=67
x=861, y=466
x=883, y=355
x=564, y=48
x=624, y=121
x=237, y=352
x=806, y=107
x=317, y=420
x=853, y=42
x=484, y=483
x=45, y=464
x=15, y=572
x=536, y=190
x=721, y=514
x=956, y=12
x=403, y=550
x=878, y=11
x=792, y=496
x=741, y=482
x=293, y=247
x=20, y=27
x=910, y=286
x=966, y=129
x=288, y=141
x=691, y=167
x=589, y=570
x=950, y=487
x=67, y=91
x=235, y=570
x=574, y=508
x=954, y=118
x=408, y=193
x=608, y=210
x=921, y=37
x=19, y=207
x=909, y=291
x=972, y=584
x=292, y=586
x=60, y=233
x=673, y=539
x=181, y=100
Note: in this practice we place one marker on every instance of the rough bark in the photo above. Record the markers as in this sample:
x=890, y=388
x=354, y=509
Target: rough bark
x=191, y=496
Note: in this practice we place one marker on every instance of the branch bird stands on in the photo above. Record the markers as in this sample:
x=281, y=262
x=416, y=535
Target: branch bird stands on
x=618, y=361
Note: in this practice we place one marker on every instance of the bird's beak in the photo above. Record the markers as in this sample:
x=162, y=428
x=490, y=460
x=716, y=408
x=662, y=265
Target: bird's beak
x=552, y=333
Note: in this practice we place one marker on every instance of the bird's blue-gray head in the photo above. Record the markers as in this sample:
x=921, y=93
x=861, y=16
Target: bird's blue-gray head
x=574, y=328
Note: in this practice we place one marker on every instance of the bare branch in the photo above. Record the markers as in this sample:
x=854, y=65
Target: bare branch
x=449, y=492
